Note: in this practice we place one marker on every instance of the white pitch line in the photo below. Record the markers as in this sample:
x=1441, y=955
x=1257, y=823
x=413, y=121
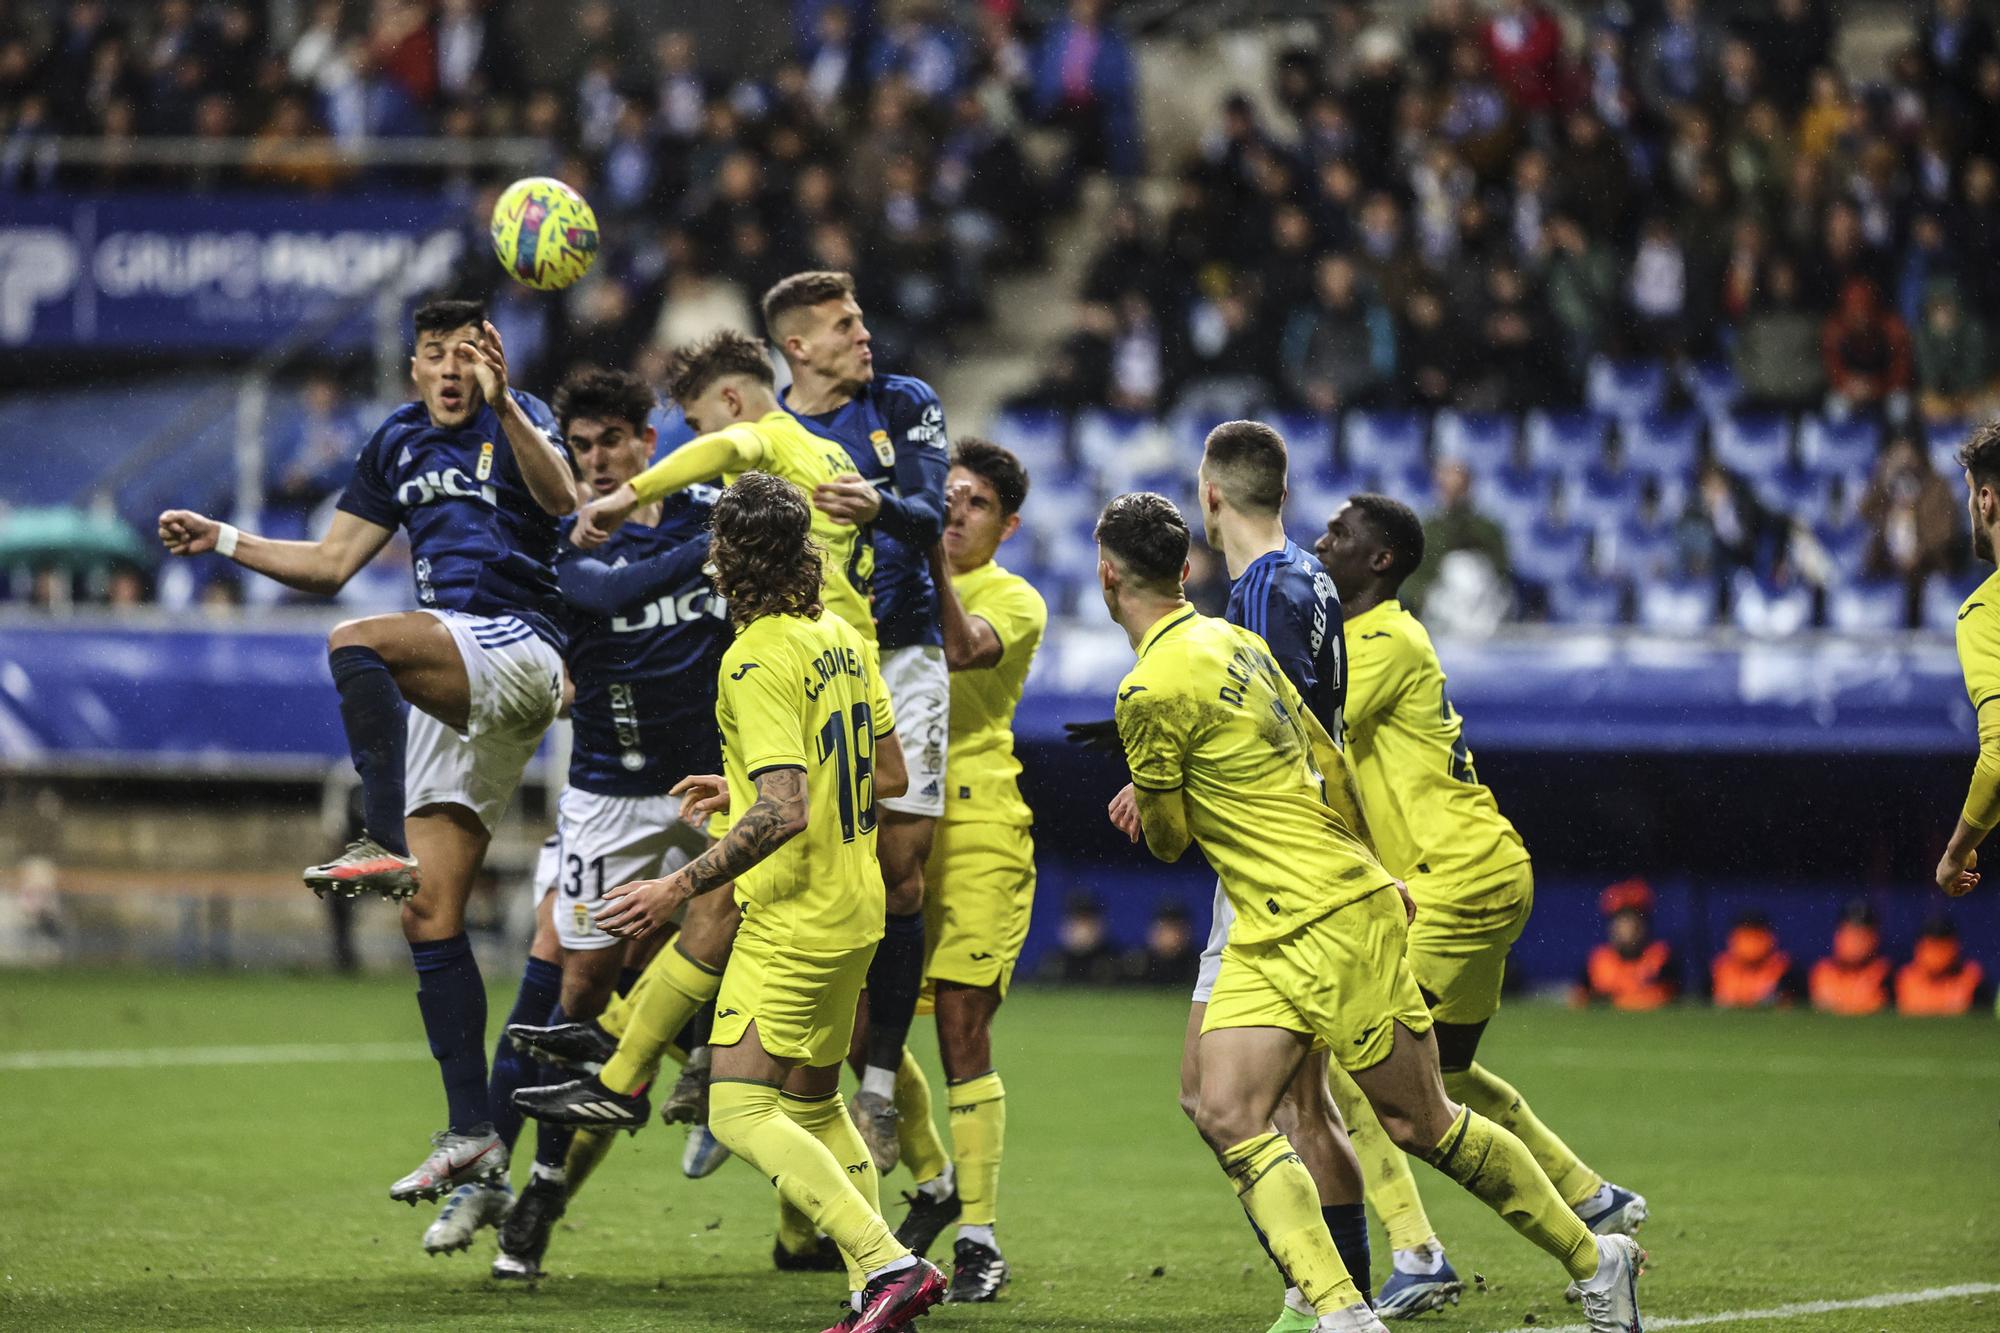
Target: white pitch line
x=159, y=1057
x=1888, y=1300
x=1804, y=1066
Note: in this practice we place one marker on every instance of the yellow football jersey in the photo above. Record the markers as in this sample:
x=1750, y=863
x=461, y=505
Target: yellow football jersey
x=1207, y=710
x=981, y=771
x=1431, y=820
x=798, y=693
x=1979, y=659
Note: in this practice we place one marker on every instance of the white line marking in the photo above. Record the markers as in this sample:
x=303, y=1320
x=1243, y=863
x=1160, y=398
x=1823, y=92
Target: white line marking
x=187, y=1056
x=1887, y=1300
x=1710, y=1062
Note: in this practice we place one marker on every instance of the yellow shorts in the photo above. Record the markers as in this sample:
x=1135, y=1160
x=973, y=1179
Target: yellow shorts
x=802, y=1001
x=979, y=887
x=1460, y=941
x=1342, y=979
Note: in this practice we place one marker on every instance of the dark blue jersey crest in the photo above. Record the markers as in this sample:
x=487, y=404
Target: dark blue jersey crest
x=894, y=431
x=647, y=631
x=1288, y=598
x=479, y=542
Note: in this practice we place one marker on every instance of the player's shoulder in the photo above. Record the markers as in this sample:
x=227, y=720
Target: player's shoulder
x=1981, y=608
x=911, y=406
x=903, y=389
x=1387, y=627
x=1003, y=587
x=538, y=411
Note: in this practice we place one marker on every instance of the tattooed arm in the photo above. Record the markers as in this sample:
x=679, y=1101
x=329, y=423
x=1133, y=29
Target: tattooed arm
x=776, y=817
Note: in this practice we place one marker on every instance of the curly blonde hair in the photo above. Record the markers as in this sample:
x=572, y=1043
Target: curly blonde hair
x=761, y=545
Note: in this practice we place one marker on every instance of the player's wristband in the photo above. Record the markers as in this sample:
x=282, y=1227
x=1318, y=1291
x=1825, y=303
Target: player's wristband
x=225, y=540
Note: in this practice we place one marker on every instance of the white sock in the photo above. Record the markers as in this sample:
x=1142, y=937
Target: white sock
x=939, y=1187
x=854, y=1299
x=1423, y=1261
x=1597, y=1202
x=1296, y=1302
x=881, y=1082
x=896, y=1267
x=555, y=1173
x=984, y=1235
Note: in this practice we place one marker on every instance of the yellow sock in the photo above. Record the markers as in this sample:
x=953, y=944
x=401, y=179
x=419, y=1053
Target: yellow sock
x=795, y=1230
x=916, y=1127
x=1494, y=1098
x=675, y=995
x=1278, y=1193
x=978, y=1133
x=1497, y=1169
x=586, y=1150
x=811, y=1151
x=1385, y=1168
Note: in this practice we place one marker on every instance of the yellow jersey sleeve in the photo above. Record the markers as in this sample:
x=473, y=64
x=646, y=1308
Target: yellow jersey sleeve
x=728, y=451
x=1379, y=666
x=1979, y=659
x=763, y=701
x=1017, y=614
x=1153, y=725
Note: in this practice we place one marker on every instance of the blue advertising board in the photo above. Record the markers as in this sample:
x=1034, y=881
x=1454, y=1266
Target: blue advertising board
x=127, y=272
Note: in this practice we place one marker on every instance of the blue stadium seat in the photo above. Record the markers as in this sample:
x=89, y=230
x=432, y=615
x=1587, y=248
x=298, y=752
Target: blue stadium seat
x=1768, y=610
x=1414, y=486
x=1943, y=439
x=1566, y=442
x=1846, y=545
x=1039, y=437
x=1586, y=600
x=1308, y=437
x=1603, y=498
x=1310, y=503
x=1551, y=553
x=1677, y=606
x=1754, y=444
x=1639, y=551
x=1843, y=448
x=1482, y=441
x=1943, y=596
x=1515, y=497
x=1625, y=389
x=1665, y=444
x=1803, y=494
x=1713, y=386
x=1867, y=606
x=1177, y=484
x=1106, y=440
x=1376, y=441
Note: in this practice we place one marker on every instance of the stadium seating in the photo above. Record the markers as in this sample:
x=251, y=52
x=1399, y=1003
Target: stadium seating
x=1755, y=445
x=1662, y=444
x=1566, y=442
x=1483, y=442
x=1586, y=601
x=1713, y=386
x=1378, y=441
x=1866, y=606
x=1943, y=440
x=1846, y=448
x=1769, y=610
x=1625, y=389
x=1676, y=605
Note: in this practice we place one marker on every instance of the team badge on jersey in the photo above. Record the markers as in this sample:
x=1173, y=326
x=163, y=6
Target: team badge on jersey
x=485, y=468
x=885, y=449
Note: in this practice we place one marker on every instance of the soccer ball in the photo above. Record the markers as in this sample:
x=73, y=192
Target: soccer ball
x=544, y=233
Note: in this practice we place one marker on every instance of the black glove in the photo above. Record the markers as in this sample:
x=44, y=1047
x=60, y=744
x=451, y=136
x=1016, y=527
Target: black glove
x=1094, y=735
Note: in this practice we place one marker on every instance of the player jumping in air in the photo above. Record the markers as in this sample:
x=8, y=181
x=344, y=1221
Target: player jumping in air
x=1979, y=659
x=472, y=472
x=892, y=428
x=808, y=738
x=1224, y=752
x=981, y=873
x=1437, y=826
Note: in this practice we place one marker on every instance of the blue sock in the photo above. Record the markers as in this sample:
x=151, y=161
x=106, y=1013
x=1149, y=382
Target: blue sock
x=628, y=977
x=552, y=1141
x=1349, y=1224
x=895, y=982
x=541, y=987
x=453, y=1001
x=371, y=709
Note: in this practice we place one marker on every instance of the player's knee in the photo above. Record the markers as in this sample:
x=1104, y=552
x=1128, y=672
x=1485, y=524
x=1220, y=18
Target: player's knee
x=1190, y=1100
x=1224, y=1124
x=350, y=634
x=905, y=891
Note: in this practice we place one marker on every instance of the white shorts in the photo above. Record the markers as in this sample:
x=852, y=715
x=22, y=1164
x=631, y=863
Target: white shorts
x=602, y=842
x=919, y=686
x=516, y=680
x=1222, y=917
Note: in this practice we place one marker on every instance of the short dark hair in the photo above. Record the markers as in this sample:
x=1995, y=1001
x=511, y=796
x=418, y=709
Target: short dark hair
x=447, y=313
x=1247, y=460
x=1401, y=531
x=1980, y=454
x=1148, y=536
x=802, y=291
x=761, y=545
x=604, y=395
x=696, y=365
x=998, y=467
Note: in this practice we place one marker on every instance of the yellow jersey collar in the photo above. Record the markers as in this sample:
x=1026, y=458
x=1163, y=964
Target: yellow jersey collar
x=1380, y=611
x=1164, y=626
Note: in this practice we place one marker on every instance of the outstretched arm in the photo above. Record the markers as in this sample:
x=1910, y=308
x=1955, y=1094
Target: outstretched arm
x=589, y=584
x=321, y=567
x=735, y=449
x=776, y=817
x=970, y=644
x=544, y=466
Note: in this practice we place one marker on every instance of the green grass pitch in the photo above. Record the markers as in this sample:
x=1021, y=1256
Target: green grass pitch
x=1788, y=1158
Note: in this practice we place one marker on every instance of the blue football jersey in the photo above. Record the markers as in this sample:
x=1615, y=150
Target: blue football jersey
x=894, y=431
x=647, y=631
x=478, y=541
x=1288, y=598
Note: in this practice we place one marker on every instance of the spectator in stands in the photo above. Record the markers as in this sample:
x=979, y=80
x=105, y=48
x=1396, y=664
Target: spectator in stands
x=1752, y=971
x=1524, y=46
x=1953, y=39
x=1794, y=41
x=1658, y=290
x=1956, y=377
x=919, y=47
x=1580, y=278
x=1680, y=57
x=1778, y=352
x=1339, y=347
x=1085, y=954
x=1465, y=551
x=1517, y=348
x=314, y=449
x=1086, y=82
x=1867, y=355
x=1939, y=981
x=400, y=67
x=1631, y=969
x=1854, y=977
x=1912, y=517
x=292, y=152
x=1431, y=351
x=1172, y=955
x=1730, y=529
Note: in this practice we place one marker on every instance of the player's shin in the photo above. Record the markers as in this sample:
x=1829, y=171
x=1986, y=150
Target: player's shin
x=1499, y=1171
x=916, y=1129
x=1392, y=1189
x=895, y=983
x=978, y=1135
x=1278, y=1193
x=1494, y=1098
x=535, y=1002
x=372, y=712
x=678, y=988
x=453, y=1002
